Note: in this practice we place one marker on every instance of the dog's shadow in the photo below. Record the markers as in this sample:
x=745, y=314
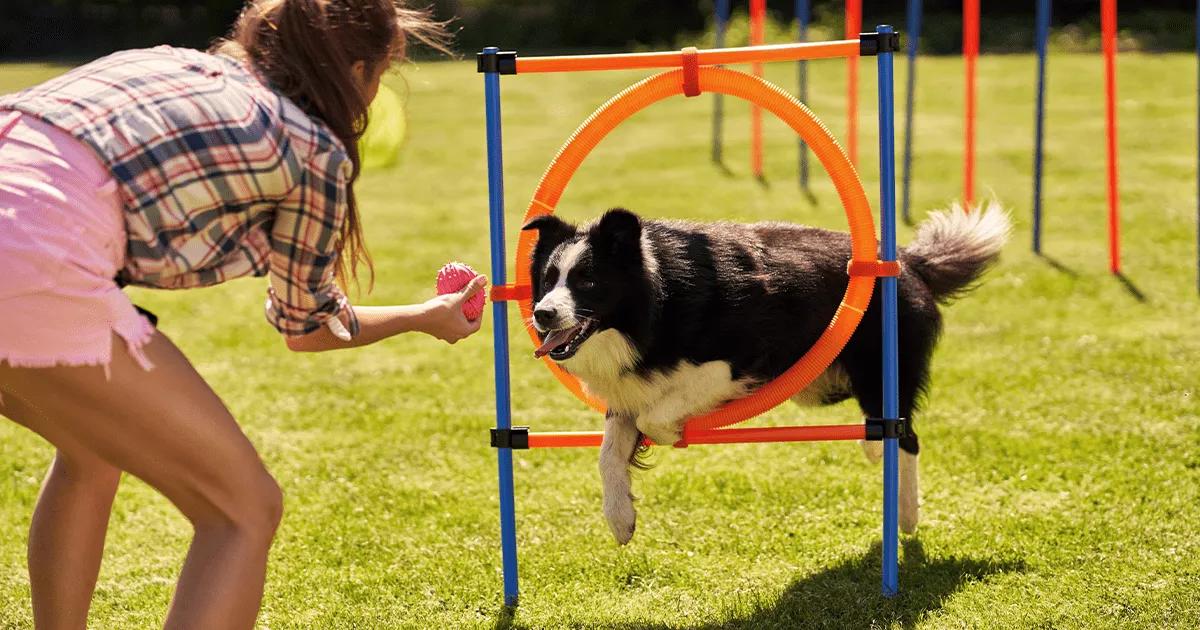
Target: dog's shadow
x=848, y=595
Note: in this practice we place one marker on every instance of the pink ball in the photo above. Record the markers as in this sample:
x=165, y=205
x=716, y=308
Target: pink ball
x=452, y=278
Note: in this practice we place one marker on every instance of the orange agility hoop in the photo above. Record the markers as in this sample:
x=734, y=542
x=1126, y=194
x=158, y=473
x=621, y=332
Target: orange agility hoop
x=862, y=270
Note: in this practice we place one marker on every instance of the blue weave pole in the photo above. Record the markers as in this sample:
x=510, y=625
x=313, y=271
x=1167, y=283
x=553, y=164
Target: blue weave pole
x=495, y=165
x=891, y=369
x=914, y=34
x=803, y=17
x=722, y=15
x=1042, y=34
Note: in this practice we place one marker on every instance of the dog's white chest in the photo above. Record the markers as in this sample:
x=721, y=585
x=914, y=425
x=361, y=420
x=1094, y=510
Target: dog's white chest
x=604, y=363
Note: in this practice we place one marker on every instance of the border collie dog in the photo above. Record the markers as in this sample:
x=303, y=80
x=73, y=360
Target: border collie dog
x=663, y=320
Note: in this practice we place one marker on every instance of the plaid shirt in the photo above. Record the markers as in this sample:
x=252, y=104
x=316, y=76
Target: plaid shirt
x=220, y=176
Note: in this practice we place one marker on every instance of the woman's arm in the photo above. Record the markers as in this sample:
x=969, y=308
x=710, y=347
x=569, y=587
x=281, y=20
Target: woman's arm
x=441, y=317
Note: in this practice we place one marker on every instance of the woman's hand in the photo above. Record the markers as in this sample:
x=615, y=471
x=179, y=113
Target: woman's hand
x=441, y=317
x=444, y=315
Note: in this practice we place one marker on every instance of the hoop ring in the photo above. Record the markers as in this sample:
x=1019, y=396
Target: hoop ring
x=845, y=180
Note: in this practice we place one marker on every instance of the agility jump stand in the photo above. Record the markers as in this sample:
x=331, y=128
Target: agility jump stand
x=692, y=72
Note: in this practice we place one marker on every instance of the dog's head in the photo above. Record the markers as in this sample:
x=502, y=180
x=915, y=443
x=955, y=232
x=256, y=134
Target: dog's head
x=585, y=280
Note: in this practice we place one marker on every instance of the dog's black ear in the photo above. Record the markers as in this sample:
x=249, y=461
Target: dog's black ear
x=550, y=229
x=619, y=229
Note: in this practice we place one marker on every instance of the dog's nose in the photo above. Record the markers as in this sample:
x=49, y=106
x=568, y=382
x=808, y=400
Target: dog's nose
x=545, y=317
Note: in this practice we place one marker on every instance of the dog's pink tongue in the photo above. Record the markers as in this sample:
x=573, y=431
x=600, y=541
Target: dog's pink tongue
x=553, y=341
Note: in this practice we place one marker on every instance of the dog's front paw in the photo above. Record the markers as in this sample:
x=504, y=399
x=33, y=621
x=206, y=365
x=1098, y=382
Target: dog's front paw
x=910, y=494
x=622, y=517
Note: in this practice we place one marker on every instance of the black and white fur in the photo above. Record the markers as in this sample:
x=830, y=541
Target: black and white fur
x=664, y=320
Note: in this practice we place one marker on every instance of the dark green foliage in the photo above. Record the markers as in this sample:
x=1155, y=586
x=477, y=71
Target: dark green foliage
x=87, y=28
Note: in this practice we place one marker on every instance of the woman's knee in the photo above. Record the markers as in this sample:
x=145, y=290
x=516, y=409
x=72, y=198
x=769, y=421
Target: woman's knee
x=263, y=507
x=85, y=469
x=272, y=502
x=253, y=507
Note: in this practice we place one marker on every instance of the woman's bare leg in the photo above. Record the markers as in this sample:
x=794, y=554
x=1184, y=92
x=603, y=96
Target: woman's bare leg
x=167, y=427
x=66, y=538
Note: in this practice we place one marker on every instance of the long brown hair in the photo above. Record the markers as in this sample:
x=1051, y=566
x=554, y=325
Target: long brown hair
x=305, y=50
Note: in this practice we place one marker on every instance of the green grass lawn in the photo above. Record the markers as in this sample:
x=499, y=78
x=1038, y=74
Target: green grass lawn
x=1062, y=435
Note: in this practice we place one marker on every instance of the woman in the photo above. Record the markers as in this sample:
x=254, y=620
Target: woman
x=175, y=168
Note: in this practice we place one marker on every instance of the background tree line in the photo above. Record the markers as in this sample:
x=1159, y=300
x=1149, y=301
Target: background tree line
x=31, y=29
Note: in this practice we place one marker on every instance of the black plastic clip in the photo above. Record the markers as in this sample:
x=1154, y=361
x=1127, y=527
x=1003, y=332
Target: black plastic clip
x=880, y=428
x=516, y=437
x=503, y=62
x=871, y=44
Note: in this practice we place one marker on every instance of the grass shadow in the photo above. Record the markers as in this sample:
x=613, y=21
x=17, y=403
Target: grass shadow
x=504, y=618
x=1057, y=266
x=847, y=595
x=1131, y=287
x=724, y=170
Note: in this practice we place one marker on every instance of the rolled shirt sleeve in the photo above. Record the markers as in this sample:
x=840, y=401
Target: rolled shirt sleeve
x=303, y=294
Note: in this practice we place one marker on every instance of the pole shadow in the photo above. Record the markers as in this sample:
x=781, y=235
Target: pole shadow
x=1054, y=264
x=504, y=618
x=722, y=168
x=1131, y=287
x=847, y=595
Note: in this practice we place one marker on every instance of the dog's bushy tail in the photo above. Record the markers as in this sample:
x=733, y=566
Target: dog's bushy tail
x=954, y=247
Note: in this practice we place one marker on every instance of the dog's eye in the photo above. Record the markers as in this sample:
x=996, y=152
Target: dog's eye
x=550, y=279
x=583, y=278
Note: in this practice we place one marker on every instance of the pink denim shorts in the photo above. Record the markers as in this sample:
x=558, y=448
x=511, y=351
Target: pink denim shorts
x=62, y=241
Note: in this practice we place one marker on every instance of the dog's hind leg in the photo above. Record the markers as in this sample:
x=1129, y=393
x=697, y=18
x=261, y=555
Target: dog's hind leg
x=868, y=390
x=873, y=449
x=911, y=385
x=621, y=438
x=910, y=493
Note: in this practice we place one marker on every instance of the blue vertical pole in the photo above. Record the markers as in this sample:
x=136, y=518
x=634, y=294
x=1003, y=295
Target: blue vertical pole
x=722, y=11
x=495, y=163
x=803, y=17
x=891, y=373
x=914, y=33
x=1042, y=34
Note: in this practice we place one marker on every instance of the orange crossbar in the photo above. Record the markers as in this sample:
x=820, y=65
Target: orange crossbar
x=818, y=433
x=674, y=59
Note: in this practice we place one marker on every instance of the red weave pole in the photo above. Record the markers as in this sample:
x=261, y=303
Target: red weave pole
x=970, y=53
x=758, y=15
x=1108, y=30
x=810, y=433
x=853, y=27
